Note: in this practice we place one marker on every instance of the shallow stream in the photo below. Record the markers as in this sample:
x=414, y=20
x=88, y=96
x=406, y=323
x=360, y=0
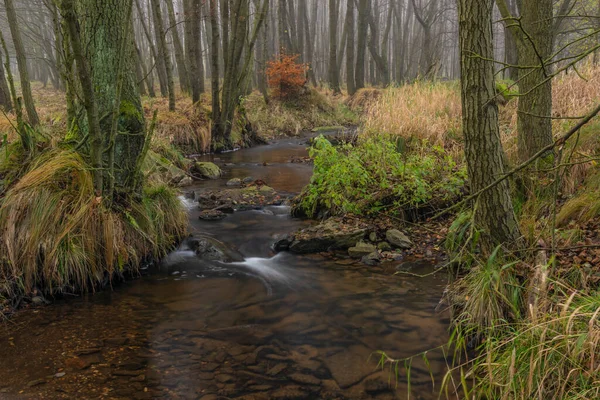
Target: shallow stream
x=271, y=327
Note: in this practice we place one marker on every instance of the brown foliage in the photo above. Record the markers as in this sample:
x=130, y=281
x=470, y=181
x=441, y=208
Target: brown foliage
x=286, y=76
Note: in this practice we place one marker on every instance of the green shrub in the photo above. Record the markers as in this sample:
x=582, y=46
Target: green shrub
x=376, y=175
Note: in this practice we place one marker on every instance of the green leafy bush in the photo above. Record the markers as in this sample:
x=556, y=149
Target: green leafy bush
x=378, y=175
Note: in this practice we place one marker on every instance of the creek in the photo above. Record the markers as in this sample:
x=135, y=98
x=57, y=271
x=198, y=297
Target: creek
x=274, y=326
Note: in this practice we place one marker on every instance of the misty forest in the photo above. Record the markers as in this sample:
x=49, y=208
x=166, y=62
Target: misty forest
x=300, y=199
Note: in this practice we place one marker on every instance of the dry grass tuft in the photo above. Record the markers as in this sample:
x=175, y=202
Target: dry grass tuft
x=364, y=98
x=187, y=127
x=58, y=237
x=422, y=110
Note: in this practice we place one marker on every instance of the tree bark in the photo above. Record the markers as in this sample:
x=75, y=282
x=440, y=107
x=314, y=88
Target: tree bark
x=361, y=50
x=163, y=51
x=107, y=33
x=350, y=82
x=13, y=23
x=5, y=101
x=334, y=77
x=494, y=213
x=182, y=64
x=533, y=33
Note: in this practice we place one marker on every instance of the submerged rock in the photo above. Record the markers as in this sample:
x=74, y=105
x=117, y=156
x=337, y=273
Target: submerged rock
x=331, y=234
x=234, y=182
x=398, y=239
x=211, y=249
x=212, y=215
x=361, y=249
x=206, y=170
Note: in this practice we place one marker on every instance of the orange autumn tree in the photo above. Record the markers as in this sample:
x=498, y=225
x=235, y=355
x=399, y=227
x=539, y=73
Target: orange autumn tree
x=286, y=76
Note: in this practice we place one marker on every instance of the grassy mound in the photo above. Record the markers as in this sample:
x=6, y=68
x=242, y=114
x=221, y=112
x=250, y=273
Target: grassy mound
x=57, y=236
x=311, y=110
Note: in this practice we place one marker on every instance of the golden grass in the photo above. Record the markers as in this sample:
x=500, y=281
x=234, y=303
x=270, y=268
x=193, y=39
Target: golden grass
x=316, y=108
x=187, y=127
x=55, y=235
x=364, y=98
x=422, y=110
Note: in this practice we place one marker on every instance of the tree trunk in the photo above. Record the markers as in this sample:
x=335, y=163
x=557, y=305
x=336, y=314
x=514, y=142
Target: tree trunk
x=182, y=64
x=214, y=71
x=193, y=42
x=163, y=52
x=334, y=77
x=107, y=33
x=361, y=50
x=494, y=214
x=350, y=82
x=534, y=48
x=89, y=97
x=13, y=23
x=534, y=123
x=5, y=101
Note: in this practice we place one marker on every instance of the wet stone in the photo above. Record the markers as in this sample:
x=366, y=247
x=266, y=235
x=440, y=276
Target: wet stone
x=376, y=385
x=36, y=382
x=139, y=378
x=289, y=393
x=224, y=378
x=305, y=379
x=276, y=370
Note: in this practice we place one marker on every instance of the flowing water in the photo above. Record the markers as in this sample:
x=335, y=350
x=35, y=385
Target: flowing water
x=270, y=327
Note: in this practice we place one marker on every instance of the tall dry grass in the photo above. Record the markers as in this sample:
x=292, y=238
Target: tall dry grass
x=56, y=235
x=422, y=110
x=188, y=127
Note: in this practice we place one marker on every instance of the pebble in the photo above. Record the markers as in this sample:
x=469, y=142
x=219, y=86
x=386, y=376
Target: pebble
x=36, y=382
x=60, y=374
x=276, y=370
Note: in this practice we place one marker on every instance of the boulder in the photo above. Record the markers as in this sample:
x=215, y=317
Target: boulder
x=206, y=170
x=283, y=244
x=248, y=179
x=361, y=249
x=398, y=239
x=212, y=215
x=331, y=234
x=371, y=259
x=211, y=249
x=384, y=246
x=186, y=181
x=234, y=182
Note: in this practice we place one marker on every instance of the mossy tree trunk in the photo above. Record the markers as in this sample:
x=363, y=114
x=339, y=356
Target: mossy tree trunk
x=105, y=31
x=494, y=214
x=13, y=24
